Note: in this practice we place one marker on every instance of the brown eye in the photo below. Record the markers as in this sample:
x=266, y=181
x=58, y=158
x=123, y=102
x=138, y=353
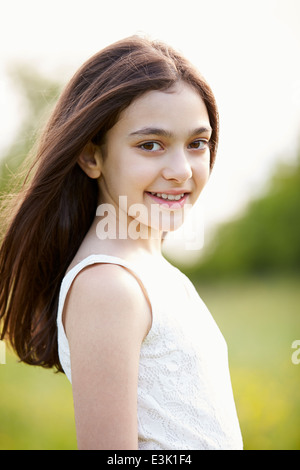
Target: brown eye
x=150, y=146
x=198, y=145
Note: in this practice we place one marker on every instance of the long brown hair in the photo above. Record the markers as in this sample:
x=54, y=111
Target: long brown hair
x=58, y=202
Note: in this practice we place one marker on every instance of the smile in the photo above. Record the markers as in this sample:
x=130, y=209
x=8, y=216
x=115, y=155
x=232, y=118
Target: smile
x=169, y=197
x=171, y=201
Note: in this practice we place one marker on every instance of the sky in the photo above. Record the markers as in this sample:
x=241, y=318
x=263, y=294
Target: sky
x=247, y=50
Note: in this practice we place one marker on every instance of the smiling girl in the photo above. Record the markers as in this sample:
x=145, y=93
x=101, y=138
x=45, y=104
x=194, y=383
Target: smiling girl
x=134, y=135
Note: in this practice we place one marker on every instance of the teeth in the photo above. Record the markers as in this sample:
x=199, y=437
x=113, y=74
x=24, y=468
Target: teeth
x=170, y=197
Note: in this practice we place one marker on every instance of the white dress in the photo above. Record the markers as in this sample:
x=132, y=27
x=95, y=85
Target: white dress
x=185, y=398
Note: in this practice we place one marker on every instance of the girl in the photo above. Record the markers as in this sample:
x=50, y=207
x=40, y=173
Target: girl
x=84, y=287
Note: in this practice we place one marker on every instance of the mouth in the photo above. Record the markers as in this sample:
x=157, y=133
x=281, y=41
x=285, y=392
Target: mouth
x=167, y=199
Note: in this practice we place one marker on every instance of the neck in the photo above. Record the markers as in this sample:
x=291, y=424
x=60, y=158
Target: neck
x=120, y=236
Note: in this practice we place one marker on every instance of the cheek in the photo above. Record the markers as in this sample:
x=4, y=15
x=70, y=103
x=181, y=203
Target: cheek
x=201, y=174
x=128, y=178
x=140, y=174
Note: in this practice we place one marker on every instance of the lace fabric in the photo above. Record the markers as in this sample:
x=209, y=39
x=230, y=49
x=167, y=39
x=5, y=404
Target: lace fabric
x=185, y=398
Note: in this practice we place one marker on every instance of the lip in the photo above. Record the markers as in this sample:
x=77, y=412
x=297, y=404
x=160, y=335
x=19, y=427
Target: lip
x=170, y=204
x=174, y=192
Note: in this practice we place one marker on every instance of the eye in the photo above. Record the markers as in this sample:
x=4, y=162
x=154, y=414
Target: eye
x=150, y=146
x=199, y=144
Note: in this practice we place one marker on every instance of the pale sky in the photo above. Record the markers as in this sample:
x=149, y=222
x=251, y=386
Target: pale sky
x=248, y=50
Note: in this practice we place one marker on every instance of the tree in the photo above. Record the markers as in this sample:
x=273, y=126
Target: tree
x=39, y=94
x=265, y=239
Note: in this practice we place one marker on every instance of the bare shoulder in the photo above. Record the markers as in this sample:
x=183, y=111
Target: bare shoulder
x=107, y=317
x=107, y=294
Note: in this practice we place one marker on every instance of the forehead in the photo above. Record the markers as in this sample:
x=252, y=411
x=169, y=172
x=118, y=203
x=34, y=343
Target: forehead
x=177, y=108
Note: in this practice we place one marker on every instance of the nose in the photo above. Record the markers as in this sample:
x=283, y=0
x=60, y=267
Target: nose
x=178, y=167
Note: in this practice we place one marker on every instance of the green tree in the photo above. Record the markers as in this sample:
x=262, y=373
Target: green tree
x=265, y=239
x=38, y=94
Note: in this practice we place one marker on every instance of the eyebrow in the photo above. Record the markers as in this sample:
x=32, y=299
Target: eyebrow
x=164, y=133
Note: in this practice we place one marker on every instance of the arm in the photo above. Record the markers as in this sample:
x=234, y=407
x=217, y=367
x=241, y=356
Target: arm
x=106, y=318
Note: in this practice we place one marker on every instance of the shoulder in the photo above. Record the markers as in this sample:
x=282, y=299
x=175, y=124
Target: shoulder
x=112, y=276
x=107, y=295
x=107, y=317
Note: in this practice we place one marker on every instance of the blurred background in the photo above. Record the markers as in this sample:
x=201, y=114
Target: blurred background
x=248, y=269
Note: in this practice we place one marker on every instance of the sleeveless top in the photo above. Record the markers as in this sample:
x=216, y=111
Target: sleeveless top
x=185, y=398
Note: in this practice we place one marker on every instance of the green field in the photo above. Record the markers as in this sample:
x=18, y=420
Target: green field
x=259, y=319
x=36, y=408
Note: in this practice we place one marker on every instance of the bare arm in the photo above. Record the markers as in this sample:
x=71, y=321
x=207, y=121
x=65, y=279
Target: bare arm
x=106, y=318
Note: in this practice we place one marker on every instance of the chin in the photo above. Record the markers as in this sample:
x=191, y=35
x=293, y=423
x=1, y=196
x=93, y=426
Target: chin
x=167, y=221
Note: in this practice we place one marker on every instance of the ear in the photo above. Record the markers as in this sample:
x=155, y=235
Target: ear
x=90, y=160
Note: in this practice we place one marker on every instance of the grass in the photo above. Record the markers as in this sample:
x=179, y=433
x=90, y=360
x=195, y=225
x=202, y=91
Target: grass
x=36, y=408
x=259, y=319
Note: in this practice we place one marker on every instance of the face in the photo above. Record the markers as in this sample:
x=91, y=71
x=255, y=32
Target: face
x=157, y=155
